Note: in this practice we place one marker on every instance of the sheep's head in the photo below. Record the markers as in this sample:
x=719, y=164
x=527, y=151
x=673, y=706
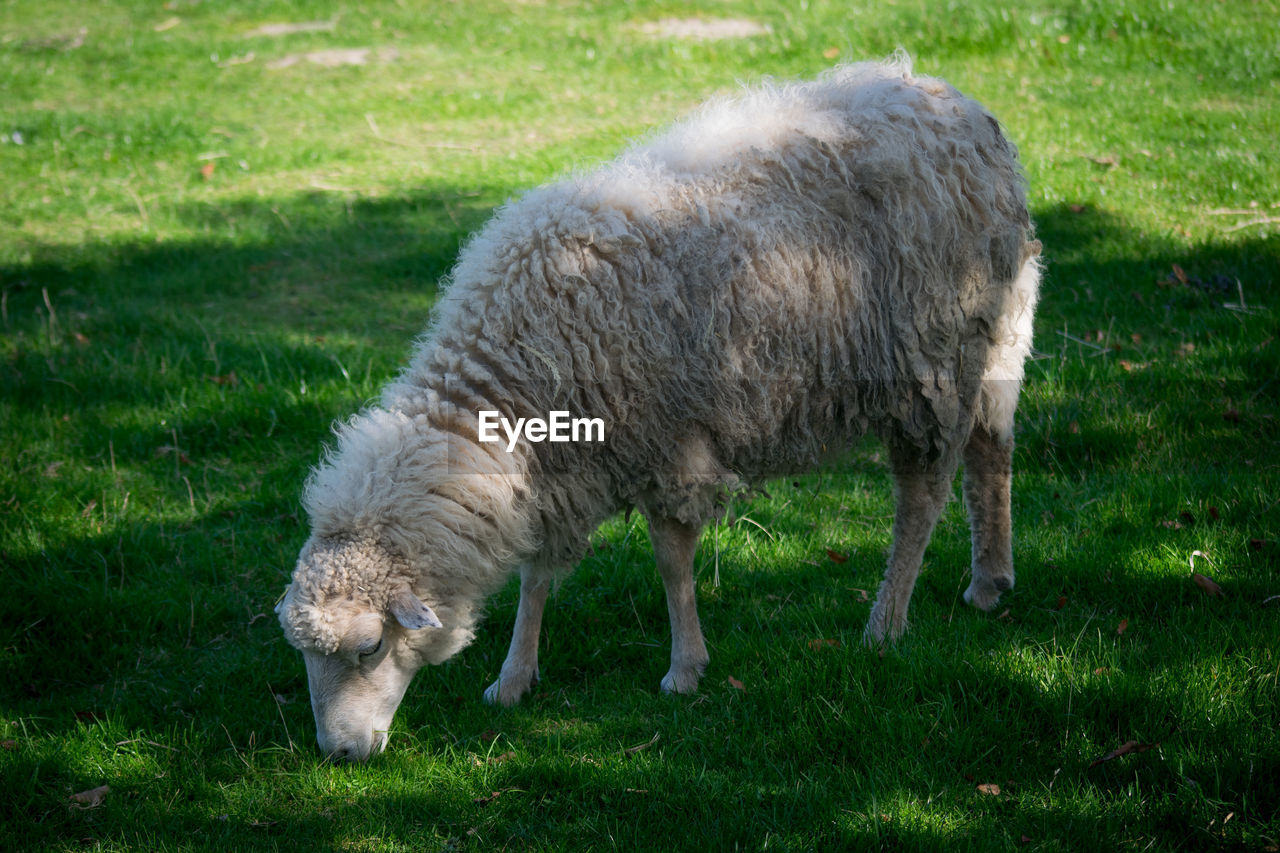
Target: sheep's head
x=364, y=633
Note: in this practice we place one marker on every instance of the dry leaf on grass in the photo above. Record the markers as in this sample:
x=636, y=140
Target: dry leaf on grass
x=1125, y=748
x=736, y=684
x=1122, y=627
x=836, y=556
x=991, y=789
x=1206, y=583
x=91, y=798
x=823, y=643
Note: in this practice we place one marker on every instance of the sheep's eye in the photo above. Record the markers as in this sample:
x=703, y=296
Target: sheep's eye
x=371, y=650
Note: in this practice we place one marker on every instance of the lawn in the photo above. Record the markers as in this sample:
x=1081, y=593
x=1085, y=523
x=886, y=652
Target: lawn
x=221, y=227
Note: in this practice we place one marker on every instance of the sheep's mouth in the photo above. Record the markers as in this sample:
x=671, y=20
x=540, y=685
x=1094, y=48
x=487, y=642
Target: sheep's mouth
x=351, y=755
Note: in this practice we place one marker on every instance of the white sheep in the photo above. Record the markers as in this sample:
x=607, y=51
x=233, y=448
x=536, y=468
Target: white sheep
x=736, y=299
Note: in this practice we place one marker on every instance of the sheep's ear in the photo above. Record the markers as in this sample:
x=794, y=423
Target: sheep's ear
x=411, y=612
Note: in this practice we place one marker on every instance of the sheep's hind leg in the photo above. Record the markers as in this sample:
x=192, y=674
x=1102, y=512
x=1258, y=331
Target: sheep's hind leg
x=674, y=544
x=921, y=495
x=988, y=472
x=520, y=670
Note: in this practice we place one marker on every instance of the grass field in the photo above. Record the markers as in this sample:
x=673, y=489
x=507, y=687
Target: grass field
x=217, y=237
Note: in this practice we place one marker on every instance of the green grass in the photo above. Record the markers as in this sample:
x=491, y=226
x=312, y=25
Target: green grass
x=206, y=260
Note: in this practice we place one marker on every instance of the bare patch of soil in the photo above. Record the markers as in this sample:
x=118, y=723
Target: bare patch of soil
x=698, y=29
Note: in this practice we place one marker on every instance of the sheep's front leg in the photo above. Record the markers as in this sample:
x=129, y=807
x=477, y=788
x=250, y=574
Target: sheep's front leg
x=921, y=496
x=988, y=472
x=520, y=669
x=674, y=544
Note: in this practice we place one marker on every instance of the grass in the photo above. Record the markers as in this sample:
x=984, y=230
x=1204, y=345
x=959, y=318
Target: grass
x=209, y=254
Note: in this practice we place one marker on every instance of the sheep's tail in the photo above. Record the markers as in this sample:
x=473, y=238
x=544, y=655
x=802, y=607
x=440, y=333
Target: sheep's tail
x=1002, y=380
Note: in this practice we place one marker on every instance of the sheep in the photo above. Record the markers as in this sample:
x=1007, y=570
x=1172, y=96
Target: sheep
x=738, y=298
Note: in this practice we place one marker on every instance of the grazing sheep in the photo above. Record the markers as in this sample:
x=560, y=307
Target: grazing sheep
x=758, y=287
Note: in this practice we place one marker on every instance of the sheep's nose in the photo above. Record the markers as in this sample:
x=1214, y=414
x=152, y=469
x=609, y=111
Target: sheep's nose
x=342, y=750
x=346, y=754
x=350, y=753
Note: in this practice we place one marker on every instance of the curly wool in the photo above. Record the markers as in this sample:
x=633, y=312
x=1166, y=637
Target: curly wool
x=757, y=287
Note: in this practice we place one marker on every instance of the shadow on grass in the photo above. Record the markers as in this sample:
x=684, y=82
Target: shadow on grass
x=288, y=266
x=161, y=629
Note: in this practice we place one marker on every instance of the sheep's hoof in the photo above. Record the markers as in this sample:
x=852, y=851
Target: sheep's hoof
x=681, y=681
x=508, y=691
x=684, y=678
x=876, y=641
x=882, y=630
x=984, y=595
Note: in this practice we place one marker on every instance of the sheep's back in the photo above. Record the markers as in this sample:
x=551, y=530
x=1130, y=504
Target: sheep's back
x=767, y=281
